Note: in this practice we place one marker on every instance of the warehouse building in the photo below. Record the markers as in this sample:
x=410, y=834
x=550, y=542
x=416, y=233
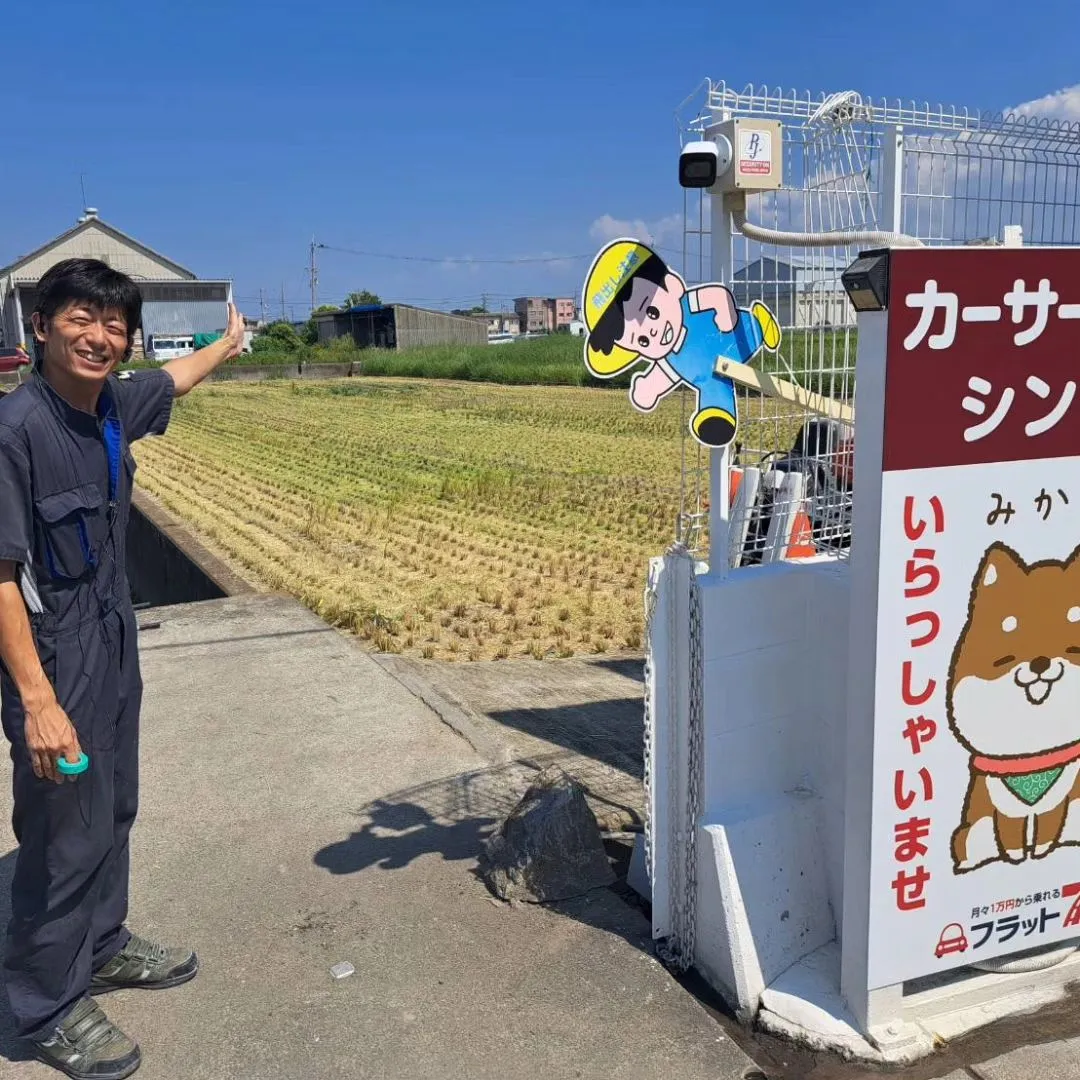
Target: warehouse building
x=176, y=304
x=804, y=292
x=399, y=326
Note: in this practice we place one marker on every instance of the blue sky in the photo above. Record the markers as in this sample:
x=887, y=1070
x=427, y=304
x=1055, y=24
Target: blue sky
x=226, y=135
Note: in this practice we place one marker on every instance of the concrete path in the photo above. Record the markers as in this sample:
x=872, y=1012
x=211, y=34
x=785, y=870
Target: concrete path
x=301, y=807
x=587, y=714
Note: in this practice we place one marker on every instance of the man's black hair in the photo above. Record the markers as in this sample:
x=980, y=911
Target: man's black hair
x=613, y=322
x=90, y=281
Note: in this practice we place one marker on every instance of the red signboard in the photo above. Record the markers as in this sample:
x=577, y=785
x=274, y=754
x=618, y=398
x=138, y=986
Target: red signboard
x=983, y=357
x=975, y=817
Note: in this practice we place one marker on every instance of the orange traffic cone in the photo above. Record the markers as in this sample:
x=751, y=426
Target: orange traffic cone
x=802, y=543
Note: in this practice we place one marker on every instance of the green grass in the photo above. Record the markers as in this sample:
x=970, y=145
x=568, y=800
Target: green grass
x=555, y=360
x=549, y=361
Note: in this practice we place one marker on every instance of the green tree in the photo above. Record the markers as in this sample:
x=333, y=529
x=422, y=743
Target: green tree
x=277, y=337
x=355, y=299
x=310, y=335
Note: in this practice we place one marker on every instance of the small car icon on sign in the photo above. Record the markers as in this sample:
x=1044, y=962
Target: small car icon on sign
x=952, y=940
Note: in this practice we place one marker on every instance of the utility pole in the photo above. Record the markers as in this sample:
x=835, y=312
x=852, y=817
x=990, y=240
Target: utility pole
x=262, y=307
x=483, y=301
x=314, y=273
x=283, y=318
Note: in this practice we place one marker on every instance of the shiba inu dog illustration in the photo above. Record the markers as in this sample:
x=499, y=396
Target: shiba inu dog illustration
x=1013, y=701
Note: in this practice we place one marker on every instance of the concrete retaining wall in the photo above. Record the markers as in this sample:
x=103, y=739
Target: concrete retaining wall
x=253, y=372
x=258, y=372
x=770, y=849
x=167, y=565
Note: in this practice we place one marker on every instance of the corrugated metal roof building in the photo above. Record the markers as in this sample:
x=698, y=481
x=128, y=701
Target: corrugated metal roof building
x=400, y=326
x=803, y=291
x=175, y=302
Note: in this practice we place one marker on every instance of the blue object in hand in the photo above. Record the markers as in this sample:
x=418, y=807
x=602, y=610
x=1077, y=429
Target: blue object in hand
x=67, y=768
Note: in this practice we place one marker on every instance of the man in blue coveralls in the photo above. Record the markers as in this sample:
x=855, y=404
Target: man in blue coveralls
x=70, y=678
x=636, y=308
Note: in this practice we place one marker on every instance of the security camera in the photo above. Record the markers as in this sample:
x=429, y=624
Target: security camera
x=700, y=163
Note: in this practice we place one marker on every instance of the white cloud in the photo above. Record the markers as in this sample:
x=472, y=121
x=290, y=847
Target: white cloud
x=662, y=231
x=1060, y=105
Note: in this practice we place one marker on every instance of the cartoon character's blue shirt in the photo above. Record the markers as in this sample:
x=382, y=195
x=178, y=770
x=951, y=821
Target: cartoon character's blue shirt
x=705, y=343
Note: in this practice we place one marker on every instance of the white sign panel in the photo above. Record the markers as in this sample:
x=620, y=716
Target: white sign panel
x=975, y=819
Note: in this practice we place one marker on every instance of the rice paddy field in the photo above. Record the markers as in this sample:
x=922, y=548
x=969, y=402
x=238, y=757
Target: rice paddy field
x=437, y=519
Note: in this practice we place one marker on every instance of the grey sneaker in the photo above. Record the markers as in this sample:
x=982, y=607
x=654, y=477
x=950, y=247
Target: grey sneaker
x=87, y=1046
x=145, y=964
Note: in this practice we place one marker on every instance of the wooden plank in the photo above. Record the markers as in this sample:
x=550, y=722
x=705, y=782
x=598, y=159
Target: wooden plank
x=775, y=387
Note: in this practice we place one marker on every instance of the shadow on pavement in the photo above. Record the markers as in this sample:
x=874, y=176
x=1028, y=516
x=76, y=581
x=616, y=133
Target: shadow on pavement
x=452, y=817
x=627, y=667
x=12, y=1048
x=398, y=832
x=611, y=731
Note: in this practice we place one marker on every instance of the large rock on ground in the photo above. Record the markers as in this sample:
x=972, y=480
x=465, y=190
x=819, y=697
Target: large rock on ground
x=549, y=848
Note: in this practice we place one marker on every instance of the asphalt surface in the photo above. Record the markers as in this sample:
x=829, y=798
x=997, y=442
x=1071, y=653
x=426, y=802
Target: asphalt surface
x=300, y=808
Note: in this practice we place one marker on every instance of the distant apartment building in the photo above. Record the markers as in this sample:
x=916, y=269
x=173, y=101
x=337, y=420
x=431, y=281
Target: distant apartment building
x=564, y=312
x=532, y=312
x=544, y=314
x=502, y=322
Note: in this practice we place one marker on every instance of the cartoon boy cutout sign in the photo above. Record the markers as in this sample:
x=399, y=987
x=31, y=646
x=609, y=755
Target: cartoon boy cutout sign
x=637, y=309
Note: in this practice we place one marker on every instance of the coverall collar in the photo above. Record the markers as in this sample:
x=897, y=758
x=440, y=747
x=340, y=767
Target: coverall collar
x=83, y=422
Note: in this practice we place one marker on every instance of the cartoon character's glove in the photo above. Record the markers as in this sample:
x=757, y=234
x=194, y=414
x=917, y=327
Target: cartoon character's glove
x=770, y=328
x=648, y=387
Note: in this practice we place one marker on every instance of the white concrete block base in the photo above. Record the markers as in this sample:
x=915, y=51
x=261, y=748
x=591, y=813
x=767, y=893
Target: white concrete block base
x=762, y=894
x=804, y=1005
x=949, y=1007
x=637, y=877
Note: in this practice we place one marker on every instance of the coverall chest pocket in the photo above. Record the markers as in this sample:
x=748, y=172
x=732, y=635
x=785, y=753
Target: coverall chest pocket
x=74, y=524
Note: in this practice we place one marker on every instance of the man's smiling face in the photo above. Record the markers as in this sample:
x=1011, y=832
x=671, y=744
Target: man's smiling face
x=82, y=341
x=653, y=317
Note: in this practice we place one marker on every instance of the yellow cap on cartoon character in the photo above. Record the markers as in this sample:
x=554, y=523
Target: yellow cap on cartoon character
x=610, y=271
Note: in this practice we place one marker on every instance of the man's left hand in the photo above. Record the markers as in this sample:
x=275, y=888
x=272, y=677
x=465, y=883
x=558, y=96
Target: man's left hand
x=234, y=333
x=188, y=371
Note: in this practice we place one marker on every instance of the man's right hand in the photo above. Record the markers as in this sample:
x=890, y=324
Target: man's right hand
x=49, y=736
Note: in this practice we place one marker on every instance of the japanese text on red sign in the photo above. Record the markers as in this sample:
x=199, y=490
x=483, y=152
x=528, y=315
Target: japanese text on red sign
x=913, y=788
x=1018, y=300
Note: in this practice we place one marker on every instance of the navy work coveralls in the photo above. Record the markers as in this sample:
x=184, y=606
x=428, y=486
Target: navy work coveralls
x=65, y=496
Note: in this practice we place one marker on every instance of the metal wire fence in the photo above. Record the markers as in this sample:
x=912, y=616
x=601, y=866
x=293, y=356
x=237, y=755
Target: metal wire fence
x=944, y=176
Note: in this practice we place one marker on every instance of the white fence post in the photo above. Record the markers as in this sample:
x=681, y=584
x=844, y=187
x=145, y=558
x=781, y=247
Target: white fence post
x=667, y=766
x=721, y=270
x=892, y=179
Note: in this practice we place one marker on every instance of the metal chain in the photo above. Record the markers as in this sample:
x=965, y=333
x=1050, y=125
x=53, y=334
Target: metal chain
x=694, y=735
x=677, y=949
x=647, y=833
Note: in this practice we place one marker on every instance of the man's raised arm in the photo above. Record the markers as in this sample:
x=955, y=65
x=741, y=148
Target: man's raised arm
x=188, y=371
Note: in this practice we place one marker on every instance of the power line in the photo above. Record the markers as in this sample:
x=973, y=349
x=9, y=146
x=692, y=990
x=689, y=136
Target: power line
x=467, y=261
x=449, y=259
